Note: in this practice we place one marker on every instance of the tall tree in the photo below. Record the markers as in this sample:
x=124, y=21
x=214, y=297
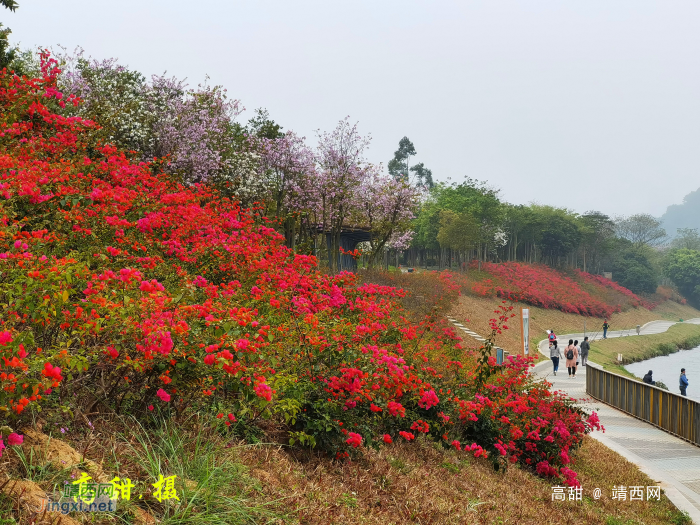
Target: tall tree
x=399, y=167
x=597, y=231
x=424, y=176
x=641, y=229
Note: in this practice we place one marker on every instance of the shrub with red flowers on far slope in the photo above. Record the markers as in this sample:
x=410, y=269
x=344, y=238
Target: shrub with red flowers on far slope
x=604, y=284
x=122, y=289
x=546, y=287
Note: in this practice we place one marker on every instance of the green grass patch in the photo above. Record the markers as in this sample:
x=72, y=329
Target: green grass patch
x=212, y=487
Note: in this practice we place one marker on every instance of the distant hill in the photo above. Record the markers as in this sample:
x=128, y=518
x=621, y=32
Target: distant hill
x=685, y=215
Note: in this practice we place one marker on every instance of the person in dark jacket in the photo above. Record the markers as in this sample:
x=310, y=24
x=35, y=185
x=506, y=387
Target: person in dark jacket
x=585, y=347
x=683, y=380
x=647, y=378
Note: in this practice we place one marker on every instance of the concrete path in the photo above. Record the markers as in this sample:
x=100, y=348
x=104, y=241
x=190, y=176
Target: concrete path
x=668, y=460
x=466, y=330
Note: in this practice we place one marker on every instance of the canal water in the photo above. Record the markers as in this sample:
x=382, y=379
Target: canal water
x=668, y=368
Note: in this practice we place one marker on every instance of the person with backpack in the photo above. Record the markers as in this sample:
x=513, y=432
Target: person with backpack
x=555, y=355
x=552, y=337
x=585, y=348
x=571, y=358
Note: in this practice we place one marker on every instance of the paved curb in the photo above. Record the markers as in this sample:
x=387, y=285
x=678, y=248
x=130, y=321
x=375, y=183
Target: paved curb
x=674, y=490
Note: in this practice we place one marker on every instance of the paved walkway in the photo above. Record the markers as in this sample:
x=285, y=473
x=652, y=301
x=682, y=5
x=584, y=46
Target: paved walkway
x=668, y=460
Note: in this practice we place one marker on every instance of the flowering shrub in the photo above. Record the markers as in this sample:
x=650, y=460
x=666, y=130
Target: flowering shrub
x=545, y=287
x=118, y=282
x=601, y=282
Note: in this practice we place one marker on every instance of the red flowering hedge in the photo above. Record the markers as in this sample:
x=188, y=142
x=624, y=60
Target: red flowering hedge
x=122, y=288
x=546, y=287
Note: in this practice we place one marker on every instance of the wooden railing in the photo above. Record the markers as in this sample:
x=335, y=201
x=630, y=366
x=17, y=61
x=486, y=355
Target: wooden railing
x=668, y=411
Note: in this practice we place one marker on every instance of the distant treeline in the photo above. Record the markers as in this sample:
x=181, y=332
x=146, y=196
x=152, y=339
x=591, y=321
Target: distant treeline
x=458, y=223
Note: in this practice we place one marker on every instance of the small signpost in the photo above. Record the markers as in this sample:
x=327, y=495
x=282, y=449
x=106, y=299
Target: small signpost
x=525, y=329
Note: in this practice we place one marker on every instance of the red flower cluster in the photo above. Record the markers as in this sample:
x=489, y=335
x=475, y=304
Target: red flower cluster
x=546, y=287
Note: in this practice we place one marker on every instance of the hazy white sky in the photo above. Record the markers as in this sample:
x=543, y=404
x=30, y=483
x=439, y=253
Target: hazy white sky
x=586, y=104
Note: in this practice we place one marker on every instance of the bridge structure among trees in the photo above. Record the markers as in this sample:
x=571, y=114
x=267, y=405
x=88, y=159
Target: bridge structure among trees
x=349, y=239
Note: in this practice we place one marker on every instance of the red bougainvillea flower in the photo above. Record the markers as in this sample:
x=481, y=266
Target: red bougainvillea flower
x=456, y=444
x=396, y=409
x=387, y=438
x=429, y=399
x=264, y=391
x=231, y=417
x=420, y=426
x=15, y=439
x=407, y=435
x=150, y=407
x=163, y=395
x=354, y=439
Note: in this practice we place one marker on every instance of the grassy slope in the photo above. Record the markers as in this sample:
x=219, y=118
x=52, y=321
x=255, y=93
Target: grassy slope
x=407, y=484
x=229, y=483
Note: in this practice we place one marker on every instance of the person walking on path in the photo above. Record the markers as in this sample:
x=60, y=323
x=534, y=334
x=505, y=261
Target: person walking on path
x=555, y=355
x=552, y=337
x=605, y=329
x=585, y=348
x=571, y=358
x=647, y=378
x=683, y=382
x=578, y=355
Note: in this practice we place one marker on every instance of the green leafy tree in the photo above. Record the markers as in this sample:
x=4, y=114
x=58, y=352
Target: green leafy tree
x=682, y=266
x=634, y=267
x=597, y=235
x=424, y=176
x=687, y=238
x=262, y=126
x=459, y=231
x=399, y=166
x=7, y=53
x=9, y=4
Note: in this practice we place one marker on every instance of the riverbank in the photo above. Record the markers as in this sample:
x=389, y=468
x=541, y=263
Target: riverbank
x=680, y=336
x=475, y=312
x=667, y=369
